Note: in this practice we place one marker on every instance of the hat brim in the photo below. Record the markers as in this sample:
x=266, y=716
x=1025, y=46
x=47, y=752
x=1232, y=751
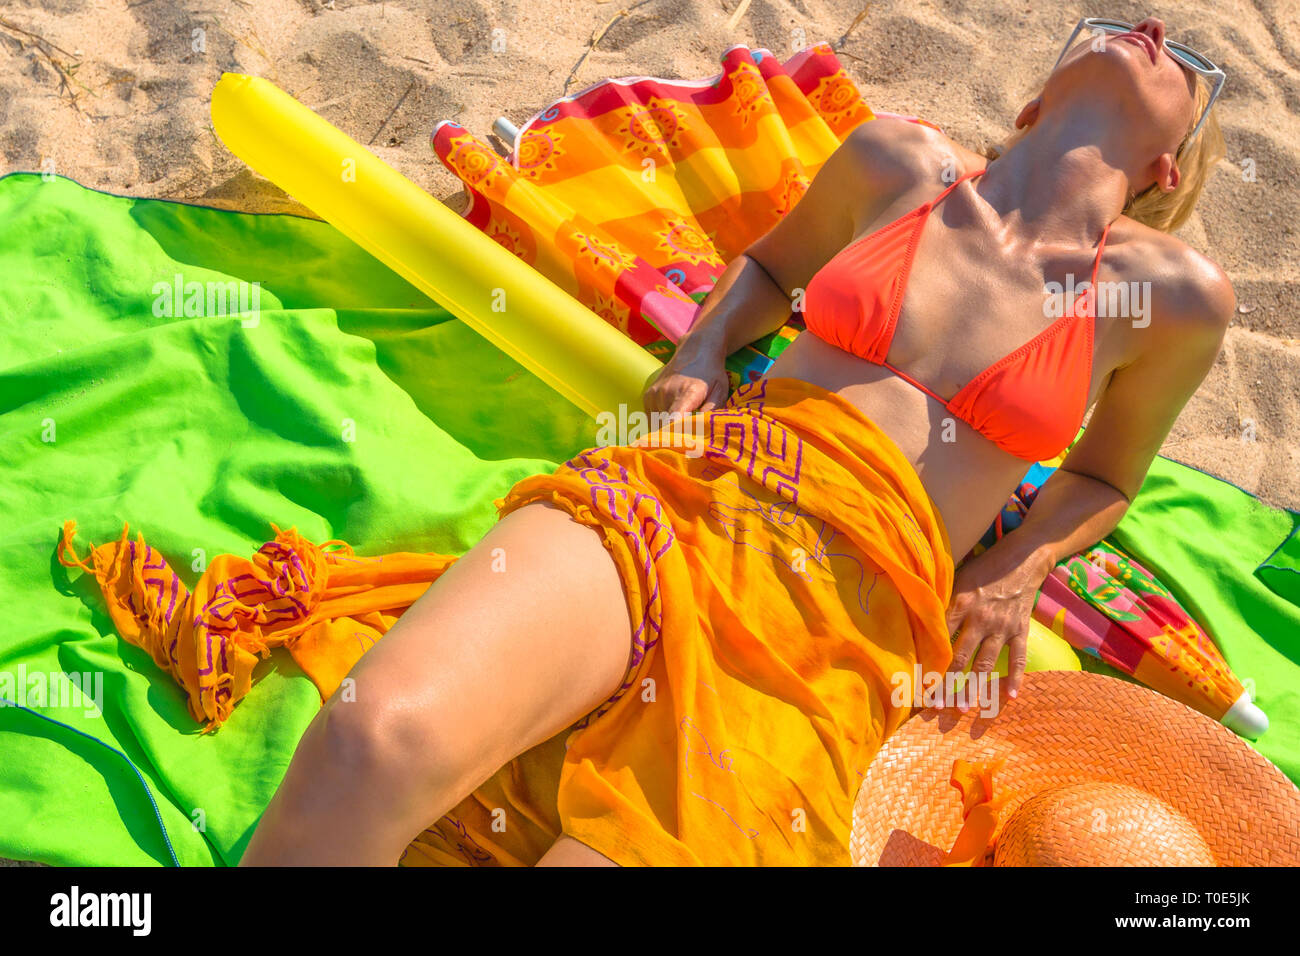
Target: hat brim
x=1070, y=727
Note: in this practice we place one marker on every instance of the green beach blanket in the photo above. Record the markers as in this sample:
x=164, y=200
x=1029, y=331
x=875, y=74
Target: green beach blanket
x=349, y=406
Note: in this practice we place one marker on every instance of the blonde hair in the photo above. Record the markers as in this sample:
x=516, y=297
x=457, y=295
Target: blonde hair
x=1167, y=211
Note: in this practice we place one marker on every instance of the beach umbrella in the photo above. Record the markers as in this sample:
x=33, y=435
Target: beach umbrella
x=1104, y=602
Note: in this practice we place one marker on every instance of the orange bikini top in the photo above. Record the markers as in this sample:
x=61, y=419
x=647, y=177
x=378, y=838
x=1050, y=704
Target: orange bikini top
x=1030, y=402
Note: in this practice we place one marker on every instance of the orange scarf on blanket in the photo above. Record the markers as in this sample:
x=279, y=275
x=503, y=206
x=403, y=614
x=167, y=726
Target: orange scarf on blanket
x=322, y=603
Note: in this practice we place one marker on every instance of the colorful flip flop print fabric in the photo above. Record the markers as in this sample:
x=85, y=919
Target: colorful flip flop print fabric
x=1105, y=603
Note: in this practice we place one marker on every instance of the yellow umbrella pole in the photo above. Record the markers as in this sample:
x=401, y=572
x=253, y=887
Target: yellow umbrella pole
x=498, y=295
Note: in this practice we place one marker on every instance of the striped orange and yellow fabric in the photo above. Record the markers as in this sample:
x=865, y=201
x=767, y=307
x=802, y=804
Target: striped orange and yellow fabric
x=634, y=194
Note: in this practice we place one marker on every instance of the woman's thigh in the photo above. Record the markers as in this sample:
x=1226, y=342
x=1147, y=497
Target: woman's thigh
x=525, y=634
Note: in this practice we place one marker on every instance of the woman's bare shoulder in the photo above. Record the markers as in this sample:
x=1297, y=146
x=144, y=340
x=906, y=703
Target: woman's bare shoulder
x=891, y=156
x=1182, y=284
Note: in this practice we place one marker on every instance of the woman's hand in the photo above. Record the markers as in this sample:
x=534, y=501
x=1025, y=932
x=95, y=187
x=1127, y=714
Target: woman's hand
x=993, y=595
x=694, y=378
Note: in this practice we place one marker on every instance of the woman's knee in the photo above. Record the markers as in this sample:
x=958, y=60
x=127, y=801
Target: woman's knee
x=486, y=664
x=382, y=740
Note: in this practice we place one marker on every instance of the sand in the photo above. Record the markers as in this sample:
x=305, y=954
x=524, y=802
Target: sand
x=116, y=97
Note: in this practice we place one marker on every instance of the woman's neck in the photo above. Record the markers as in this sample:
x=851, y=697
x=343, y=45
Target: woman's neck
x=1056, y=184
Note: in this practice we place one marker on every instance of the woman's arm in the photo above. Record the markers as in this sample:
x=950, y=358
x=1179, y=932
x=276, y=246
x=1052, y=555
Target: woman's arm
x=744, y=305
x=1189, y=317
x=1086, y=497
x=759, y=289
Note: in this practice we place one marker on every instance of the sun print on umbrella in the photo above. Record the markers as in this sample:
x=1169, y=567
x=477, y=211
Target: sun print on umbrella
x=684, y=242
x=652, y=130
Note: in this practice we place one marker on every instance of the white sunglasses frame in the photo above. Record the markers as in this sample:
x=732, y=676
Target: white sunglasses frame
x=1209, y=70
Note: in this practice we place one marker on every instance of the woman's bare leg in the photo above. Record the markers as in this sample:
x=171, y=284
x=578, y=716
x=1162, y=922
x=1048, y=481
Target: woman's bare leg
x=566, y=851
x=525, y=634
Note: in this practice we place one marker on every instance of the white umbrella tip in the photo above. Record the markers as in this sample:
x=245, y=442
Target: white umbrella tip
x=1244, y=718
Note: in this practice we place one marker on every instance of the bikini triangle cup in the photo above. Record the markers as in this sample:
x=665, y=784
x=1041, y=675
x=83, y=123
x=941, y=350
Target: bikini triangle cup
x=854, y=301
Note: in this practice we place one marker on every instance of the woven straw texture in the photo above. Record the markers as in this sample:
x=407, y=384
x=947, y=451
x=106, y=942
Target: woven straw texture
x=1079, y=728
x=1099, y=824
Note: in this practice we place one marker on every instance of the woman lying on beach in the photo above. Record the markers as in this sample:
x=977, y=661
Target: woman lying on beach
x=731, y=628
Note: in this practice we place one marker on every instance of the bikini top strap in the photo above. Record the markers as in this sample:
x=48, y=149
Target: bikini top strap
x=960, y=179
x=1100, y=246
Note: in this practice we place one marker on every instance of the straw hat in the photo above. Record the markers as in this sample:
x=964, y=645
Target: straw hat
x=1085, y=770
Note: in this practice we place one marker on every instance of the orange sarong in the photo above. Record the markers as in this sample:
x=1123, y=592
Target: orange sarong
x=785, y=572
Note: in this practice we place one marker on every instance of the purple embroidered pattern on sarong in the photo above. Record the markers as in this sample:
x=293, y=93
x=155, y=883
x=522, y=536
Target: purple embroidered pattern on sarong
x=616, y=495
x=738, y=433
x=246, y=598
x=732, y=517
x=741, y=433
x=162, y=587
x=462, y=842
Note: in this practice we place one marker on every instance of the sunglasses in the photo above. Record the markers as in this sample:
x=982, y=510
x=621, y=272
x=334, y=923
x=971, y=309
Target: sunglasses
x=1185, y=55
